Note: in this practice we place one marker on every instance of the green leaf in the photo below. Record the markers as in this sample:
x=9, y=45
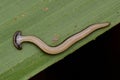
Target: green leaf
x=47, y=19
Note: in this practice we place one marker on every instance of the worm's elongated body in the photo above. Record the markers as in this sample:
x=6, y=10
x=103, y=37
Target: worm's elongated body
x=19, y=39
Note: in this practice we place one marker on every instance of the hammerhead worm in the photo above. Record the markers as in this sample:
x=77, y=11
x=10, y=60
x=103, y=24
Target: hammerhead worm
x=18, y=39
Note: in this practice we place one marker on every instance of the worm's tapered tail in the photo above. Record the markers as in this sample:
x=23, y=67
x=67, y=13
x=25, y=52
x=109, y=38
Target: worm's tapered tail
x=19, y=39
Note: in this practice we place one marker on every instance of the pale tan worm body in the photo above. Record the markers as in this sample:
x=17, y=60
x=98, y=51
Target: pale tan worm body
x=18, y=39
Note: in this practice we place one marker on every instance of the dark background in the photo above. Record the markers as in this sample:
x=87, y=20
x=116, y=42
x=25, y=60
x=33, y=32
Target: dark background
x=99, y=59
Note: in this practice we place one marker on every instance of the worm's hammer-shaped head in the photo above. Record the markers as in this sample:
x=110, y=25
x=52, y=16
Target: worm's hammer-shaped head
x=16, y=40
